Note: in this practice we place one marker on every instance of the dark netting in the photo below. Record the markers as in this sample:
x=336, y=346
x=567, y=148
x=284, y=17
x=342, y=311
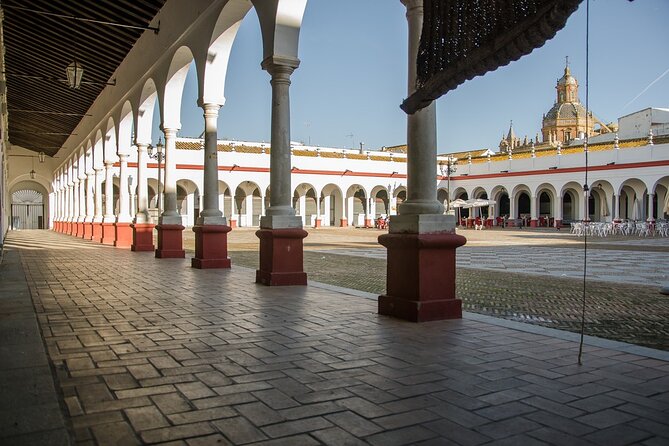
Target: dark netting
x=462, y=39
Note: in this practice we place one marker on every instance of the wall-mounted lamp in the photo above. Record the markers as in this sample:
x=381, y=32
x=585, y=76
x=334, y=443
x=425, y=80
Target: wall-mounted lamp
x=41, y=156
x=234, y=166
x=552, y=167
x=74, y=72
x=503, y=171
x=32, y=174
x=612, y=163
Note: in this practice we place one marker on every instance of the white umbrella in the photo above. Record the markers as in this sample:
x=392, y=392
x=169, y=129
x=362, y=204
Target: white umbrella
x=458, y=203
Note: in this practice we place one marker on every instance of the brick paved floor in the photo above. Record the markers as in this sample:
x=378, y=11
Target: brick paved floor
x=622, y=302
x=152, y=351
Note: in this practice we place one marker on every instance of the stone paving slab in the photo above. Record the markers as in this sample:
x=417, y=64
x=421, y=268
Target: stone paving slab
x=153, y=351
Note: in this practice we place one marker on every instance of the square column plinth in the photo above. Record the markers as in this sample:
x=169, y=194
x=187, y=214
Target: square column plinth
x=108, y=234
x=421, y=276
x=142, y=237
x=88, y=231
x=170, y=242
x=97, y=232
x=281, y=257
x=123, y=235
x=211, y=246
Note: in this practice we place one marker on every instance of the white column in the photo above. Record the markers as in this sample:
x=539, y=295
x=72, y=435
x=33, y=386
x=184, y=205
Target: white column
x=557, y=211
x=280, y=213
x=123, y=195
x=651, y=207
x=90, y=198
x=303, y=209
x=326, y=210
x=249, y=209
x=98, y=196
x=109, y=216
x=75, y=199
x=262, y=204
x=82, y=198
x=533, y=208
x=318, y=208
x=170, y=214
x=142, y=215
x=616, y=207
x=349, y=210
x=512, y=208
x=210, y=213
x=421, y=133
x=69, y=204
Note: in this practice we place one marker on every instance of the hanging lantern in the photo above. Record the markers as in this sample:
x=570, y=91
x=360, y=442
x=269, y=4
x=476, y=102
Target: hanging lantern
x=32, y=174
x=41, y=156
x=74, y=73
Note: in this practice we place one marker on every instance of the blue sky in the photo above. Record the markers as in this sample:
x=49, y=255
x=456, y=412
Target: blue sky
x=352, y=77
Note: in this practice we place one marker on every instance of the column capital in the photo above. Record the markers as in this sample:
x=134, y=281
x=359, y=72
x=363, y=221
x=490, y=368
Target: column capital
x=142, y=146
x=210, y=110
x=413, y=6
x=170, y=131
x=280, y=67
x=122, y=156
x=108, y=164
x=98, y=169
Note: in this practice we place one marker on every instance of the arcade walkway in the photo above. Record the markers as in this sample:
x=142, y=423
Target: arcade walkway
x=149, y=351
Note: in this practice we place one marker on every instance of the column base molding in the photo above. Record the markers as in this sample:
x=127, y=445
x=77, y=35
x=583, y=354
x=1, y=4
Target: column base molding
x=534, y=223
x=211, y=246
x=170, y=242
x=123, y=234
x=420, y=277
x=108, y=234
x=142, y=237
x=281, y=257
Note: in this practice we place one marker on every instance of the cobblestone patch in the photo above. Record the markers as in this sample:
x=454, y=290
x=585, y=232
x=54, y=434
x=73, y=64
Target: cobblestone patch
x=630, y=313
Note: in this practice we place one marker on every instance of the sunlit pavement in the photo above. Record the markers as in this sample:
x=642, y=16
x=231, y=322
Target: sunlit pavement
x=149, y=351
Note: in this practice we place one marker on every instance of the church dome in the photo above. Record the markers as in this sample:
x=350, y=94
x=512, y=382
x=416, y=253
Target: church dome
x=565, y=110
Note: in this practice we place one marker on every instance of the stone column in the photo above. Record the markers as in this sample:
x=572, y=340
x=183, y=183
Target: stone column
x=108, y=232
x=651, y=207
x=90, y=205
x=369, y=215
x=142, y=227
x=421, y=243
x=317, y=220
x=533, y=212
x=211, y=227
x=350, y=215
x=558, y=212
x=170, y=241
x=75, y=205
x=123, y=231
x=281, y=234
x=616, y=207
x=98, y=217
x=69, y=206
x=303, y=209
x=82, y=205
x=326, y=210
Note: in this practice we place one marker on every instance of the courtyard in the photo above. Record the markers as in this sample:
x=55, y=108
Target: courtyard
x=104, y=346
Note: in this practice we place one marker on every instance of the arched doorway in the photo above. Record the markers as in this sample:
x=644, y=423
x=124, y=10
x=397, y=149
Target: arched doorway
x=27, y=210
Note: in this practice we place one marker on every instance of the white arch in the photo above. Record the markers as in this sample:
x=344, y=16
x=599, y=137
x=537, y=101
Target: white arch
x=280, y=22
x=170, y=106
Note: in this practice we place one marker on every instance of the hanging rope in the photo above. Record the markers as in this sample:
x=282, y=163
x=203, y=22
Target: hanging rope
x=585, y=183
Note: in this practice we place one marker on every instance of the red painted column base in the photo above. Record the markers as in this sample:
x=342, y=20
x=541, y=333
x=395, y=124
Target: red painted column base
x=88, y=231
x=68, y=228
x=78, y=229
x=317, y=223
x=211, y=246
x=233, y=224
x=142, y=237
x=420, y=277
x=72, y=228
x=368, y=223
x=534, y=223
x=108, y=234
x=281, y=257
x=343, y=223
x=123, y=233
x=558, y=224
x=170, y=242
x=97, y=232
